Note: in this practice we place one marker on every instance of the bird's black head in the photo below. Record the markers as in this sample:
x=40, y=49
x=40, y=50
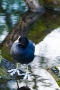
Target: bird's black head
x=23, y=41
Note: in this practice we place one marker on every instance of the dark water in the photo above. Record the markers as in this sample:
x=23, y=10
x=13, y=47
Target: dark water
x=39, y=78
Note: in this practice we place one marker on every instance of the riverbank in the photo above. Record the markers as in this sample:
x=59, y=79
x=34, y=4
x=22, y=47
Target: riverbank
x=54, y=76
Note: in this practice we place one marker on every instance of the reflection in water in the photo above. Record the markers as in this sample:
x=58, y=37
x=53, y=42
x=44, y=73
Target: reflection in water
x=4, y=34
x=43, y=79
x=48, y=53
x=2, y=20
x=24, y=88
x=3, y=28
x=12, y=84
x=10, y=13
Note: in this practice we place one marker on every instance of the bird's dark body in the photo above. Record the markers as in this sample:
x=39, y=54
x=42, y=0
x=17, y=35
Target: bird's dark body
x=23, y=56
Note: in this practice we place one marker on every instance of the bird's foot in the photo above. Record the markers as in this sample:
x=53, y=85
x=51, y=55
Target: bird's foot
x=14, y=71
x=26, y=76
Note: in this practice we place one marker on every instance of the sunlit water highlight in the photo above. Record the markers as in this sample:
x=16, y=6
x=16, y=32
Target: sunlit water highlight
x=2, y=37
x=49, y=48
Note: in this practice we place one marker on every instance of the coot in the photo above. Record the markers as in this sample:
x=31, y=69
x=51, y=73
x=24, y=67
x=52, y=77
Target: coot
x=22, y=50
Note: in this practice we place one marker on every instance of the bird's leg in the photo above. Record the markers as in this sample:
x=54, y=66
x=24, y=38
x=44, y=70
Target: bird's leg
x=17, y=70
x=17, y=65
x=13, y=71
x=27, y=73
x=17, y=83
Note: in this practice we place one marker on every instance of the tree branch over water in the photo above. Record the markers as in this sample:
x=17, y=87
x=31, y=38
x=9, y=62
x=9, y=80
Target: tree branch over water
x=22, y=28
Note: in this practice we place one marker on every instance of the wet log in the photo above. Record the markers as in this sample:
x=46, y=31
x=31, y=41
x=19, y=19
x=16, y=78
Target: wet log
x=34, y=5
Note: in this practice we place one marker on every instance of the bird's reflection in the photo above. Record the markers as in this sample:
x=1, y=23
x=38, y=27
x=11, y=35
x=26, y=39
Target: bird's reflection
x=24, y=88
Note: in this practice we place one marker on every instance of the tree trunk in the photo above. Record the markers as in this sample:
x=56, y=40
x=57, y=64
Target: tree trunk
x=22, y=28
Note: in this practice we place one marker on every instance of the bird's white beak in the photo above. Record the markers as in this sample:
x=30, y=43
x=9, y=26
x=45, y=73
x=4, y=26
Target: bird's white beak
x=19, y=37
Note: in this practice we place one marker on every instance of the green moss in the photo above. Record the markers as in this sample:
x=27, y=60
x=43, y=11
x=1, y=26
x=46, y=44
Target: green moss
x=4, y=75
x=43, y=26
x=57, y=79
x=42, y=1
x=51, y=3
x=54, y=75
x=6, y=54
x=3, y=72
x=58, y=82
